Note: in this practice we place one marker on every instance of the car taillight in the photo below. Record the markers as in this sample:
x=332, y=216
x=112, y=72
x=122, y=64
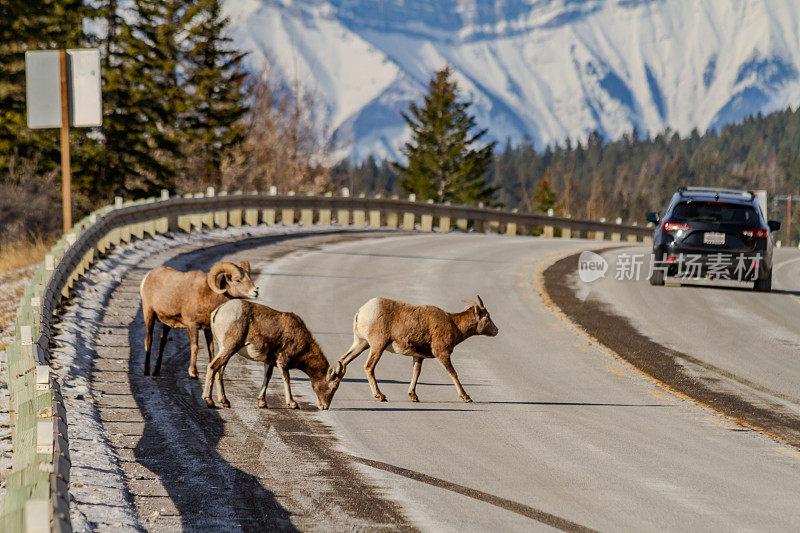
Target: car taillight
x=759, y=233
x=675, y=226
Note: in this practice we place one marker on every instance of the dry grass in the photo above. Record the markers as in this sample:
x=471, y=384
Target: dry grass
x=23, y=253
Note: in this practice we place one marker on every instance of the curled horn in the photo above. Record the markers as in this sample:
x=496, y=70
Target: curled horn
x=216, y=270
x=471, y=302
x=481, y=302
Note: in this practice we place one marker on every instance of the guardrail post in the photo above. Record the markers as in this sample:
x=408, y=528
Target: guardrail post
x=375, y=215
x=287, y=215
x=359, y=215
x=511, y=227
x=408, y=218
x=426, y=221
x=616, y=236
x=462, y=224
x=268, y=215
x=221, y=217
x=251, y=214
x=600, y=235
x=343, y=215
x=566, y=233
x=392, y=218
x=207, y=219
x=444, y=222
x=632, y=236
x=548, y=230
x=325, y=212
x=307, y=216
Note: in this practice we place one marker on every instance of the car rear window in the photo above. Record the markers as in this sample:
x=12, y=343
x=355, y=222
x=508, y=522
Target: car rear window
x=715, y=212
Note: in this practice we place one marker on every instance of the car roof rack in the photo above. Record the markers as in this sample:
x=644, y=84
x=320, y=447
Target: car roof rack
x=716, y=191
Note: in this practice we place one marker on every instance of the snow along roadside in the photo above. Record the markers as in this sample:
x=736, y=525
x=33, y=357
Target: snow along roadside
x=97, y=488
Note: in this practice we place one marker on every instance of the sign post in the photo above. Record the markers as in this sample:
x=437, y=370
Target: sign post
x=66, y=175
x=63, y=90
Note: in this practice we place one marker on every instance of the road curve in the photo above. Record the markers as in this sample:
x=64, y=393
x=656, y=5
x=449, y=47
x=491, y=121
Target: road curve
x=559, y=436
x=557, y=426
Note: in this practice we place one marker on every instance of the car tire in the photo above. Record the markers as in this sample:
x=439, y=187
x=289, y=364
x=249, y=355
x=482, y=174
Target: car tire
x=657, y=278
x=763, y=285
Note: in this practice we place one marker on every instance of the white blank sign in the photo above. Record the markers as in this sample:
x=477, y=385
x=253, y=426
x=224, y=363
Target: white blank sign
x=43, y=88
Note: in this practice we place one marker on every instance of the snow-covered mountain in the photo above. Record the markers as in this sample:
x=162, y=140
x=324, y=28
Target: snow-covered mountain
x=545, y=69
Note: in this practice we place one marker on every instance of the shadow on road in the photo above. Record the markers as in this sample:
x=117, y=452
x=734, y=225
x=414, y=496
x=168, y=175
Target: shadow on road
x=179, y=445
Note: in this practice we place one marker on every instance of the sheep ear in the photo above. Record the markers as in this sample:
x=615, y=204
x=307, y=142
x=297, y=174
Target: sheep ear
x=245, y=265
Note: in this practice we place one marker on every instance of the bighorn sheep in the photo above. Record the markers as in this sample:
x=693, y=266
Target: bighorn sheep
x=274, y=338
x=185, y=300
x=419, y=331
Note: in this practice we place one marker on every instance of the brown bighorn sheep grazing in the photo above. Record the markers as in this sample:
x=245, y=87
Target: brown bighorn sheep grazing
x=274, y=338
x=419, y=331
x=185, y=300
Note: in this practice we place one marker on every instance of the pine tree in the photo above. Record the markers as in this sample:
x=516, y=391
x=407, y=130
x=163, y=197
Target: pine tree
x=544, y=197
x=214, y=77
x=126, y=160
x=442, y=163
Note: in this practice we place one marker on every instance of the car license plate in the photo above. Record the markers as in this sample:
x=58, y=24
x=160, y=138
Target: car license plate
x=713, y=237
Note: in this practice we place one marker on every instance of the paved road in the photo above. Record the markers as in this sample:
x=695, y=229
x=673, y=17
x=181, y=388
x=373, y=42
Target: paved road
x=753, y=337
x=558, y=430
x=559, y=435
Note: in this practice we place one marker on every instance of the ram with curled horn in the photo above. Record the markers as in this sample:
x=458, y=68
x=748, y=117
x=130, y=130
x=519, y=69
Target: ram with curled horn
x=185, y=300
x=418, y=331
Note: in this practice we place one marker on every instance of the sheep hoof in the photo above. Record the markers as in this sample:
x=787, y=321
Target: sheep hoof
x=468, y=399
x=414, y=398
x=381, y=397
x=225, y=403
x=193, y=375
x=146, y=371
x=292, y=405
x=262, y=405
x=210, y=403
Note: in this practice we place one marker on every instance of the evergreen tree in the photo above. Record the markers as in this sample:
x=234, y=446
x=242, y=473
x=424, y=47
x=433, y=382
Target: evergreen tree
x=214, y=77
x=544, y=197
x=442, y=163
x=126, y=160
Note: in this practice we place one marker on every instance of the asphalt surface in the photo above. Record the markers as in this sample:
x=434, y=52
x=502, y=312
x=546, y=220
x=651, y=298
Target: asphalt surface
x=750, y=337
x=560, y=435
x=557, y=427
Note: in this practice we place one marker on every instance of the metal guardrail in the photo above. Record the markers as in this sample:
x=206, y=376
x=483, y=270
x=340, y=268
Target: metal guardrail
x=37, y=497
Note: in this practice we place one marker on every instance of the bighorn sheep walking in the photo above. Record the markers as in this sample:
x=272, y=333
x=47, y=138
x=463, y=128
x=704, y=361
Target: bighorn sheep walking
x=419, y=331
x=274, y=338
x=185, y=300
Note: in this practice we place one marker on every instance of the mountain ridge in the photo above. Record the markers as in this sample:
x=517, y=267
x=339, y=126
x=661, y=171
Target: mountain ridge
x=545, y=70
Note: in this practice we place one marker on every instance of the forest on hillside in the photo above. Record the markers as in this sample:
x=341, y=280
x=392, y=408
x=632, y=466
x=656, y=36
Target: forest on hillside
x=630, y=176
x=181, y=112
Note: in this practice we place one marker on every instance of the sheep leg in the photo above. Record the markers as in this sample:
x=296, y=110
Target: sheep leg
x=445, y=360
x=359, y=345
x=287, y=389
x=262, y=394
x=414, y=378
x=192, y=330
x=209, y=344
x=211, y=372
x=221, y=398
x=149, y=322
x=165, y=329
x=369, y=368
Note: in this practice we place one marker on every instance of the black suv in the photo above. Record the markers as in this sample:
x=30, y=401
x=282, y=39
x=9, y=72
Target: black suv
x=715, y=233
